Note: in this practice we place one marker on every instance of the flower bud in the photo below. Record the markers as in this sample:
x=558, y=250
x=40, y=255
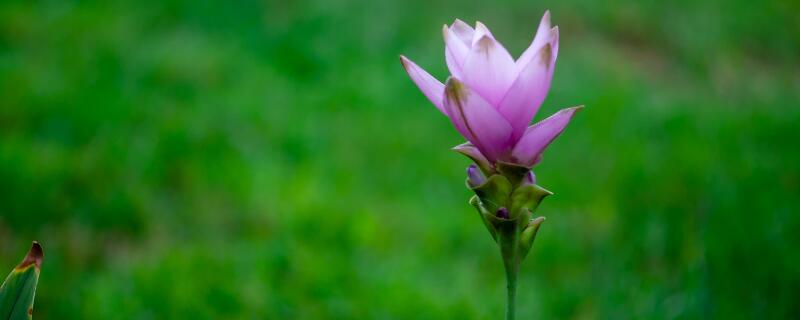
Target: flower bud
x=502, y=213
x=475, y=176
x=530, y=178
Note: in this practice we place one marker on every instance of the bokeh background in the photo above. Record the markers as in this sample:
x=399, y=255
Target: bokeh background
x=271, y=160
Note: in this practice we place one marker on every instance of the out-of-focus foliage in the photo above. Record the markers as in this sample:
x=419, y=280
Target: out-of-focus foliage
x=197, y=160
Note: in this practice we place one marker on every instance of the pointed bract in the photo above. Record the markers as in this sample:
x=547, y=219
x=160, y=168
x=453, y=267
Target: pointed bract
x=476, y=120
x=472, y=152
x=480, y=31
x=539, y=40
x=463, y=31
x=19, y=289
x=529, y=235
x=489, y=68
x=526, y=94
x=540, y=135
x=430, y=87
x=455, y=51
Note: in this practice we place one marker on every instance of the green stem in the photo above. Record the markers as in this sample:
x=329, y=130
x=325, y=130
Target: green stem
x=508, y=237
x=511, y=287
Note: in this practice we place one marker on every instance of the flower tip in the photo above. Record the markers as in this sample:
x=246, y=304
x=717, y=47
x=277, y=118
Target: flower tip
x=485, y=42
x=575, y=109
x=482, y=29
x=536, y=223
x=34, y=256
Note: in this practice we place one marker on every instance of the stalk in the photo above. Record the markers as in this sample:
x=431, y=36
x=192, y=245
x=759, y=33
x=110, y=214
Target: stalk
x=509, y=240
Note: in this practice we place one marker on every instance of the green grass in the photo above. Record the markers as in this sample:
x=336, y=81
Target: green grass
x=272, y=160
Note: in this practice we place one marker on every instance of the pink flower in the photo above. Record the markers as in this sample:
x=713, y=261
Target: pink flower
x=491, y=98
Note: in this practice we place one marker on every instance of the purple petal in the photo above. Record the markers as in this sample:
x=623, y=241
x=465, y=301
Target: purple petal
x=476, y=120
x=539, y=136
x=489, y=69
x=430, y=87
x=529, y=90
x=463, y=31
x=542, y=37
x=480, y=31
x=455, y=51
x=469, y=150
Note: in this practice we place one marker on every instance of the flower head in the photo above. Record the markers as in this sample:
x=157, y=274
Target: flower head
x=491, y=98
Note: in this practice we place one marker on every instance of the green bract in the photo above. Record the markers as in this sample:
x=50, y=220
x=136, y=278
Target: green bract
x=509, y=191
x=17, y=292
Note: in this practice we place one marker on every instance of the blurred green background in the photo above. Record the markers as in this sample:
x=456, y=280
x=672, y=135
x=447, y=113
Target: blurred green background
x=272, y=160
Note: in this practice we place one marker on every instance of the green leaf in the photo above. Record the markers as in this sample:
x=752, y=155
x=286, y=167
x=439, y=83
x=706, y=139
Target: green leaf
x=17, y=292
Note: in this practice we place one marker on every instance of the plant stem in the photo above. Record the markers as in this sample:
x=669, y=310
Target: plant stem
x=508, y=237
x=511, y=287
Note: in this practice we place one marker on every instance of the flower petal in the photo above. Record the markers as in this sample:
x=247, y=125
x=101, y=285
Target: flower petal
x=430, y=87
x=540, y=135
x=455, y=51
x=489, y=68
x=477, y=120
x=472, y=152
x=480, y=31
x=526, y=94
x=463, y=31
x=542, y=37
